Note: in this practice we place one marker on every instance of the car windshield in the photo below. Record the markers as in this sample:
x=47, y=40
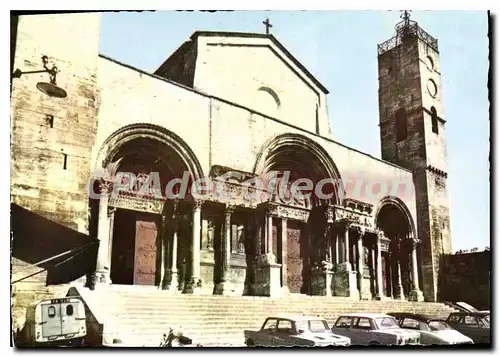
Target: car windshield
x=313, y=326
x=386, y=322
x=438, y=326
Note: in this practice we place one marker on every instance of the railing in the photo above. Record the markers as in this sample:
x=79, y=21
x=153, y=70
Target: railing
x=405, y=30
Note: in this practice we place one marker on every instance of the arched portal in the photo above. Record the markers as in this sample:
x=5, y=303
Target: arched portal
x=143, y=160
x=293, y=159
x=394, y=219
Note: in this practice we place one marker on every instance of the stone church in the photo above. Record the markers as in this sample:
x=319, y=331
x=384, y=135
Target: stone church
x=230, y=109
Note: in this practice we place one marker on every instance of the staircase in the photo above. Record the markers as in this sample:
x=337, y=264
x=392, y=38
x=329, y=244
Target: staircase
x=139, y=316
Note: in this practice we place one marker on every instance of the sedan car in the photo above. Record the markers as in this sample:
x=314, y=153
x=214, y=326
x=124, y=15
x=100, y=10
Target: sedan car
x=289, y=331
x=433, y=331
x=374, y=329
x=475, y=325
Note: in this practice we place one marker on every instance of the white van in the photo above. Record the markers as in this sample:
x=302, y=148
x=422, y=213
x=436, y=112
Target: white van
x=56, y=321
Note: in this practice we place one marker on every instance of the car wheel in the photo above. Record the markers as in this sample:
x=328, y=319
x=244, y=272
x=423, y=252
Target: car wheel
x=374, y=343
x=250, y=343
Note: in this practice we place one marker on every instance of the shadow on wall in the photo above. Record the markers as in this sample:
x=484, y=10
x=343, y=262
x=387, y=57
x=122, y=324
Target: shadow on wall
x=36, y=239
x=466, y=278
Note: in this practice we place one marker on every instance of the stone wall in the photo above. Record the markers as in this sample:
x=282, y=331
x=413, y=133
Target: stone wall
x=404, y=76
x=466, y=277
x=51, y=140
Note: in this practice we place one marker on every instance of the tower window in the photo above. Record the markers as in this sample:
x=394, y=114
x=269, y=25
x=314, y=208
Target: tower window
x=49, y=120
x=401, y=124
x=65, y=162
x=434, y=120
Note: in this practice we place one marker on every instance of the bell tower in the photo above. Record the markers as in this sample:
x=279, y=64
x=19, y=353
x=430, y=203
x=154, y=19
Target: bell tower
x=412, y=135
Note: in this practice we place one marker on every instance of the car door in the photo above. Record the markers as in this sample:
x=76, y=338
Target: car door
x=362, y=330
x=283, y=334
x=408, y=323
x=343, y=327
x=51, y=319
x=267, y=335
x=471, y=326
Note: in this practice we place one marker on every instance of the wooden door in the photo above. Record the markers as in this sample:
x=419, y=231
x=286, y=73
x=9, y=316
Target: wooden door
x=145, y=253
x=294, y=260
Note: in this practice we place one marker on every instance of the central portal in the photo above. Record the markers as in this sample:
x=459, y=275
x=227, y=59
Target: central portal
x=136, y=248
x=295, y=258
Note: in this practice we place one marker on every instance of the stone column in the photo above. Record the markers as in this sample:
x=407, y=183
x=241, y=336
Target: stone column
x=269, y=227
x=284, y=253
x=111, y=217
x=361, y=252
x=267, y=271
x=224, y=286
x=337, y=260
x=380, y=283
x=164, y=271
x=194, y=285
x=399, y=289
x=416, y=294
x=102, y=273
x=347, y=246
x=174, y=281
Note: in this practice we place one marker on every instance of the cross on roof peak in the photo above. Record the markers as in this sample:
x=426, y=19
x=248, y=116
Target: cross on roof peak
x=268, y=25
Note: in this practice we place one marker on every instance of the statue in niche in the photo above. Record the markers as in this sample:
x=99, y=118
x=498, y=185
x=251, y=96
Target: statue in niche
x=241, y=240
x=210, y=235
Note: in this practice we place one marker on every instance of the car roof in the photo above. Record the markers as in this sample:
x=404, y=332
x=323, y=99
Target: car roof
x=475, y=313
x=296, y=317
x=418, y=317
x=370, y=315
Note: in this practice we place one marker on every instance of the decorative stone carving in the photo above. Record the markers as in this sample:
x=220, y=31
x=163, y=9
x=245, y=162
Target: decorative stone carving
x=210, y=235
x=137, y=203
x=265, y=259
x=241, y=240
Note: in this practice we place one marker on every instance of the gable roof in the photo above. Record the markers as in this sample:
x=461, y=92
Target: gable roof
x=278, y=44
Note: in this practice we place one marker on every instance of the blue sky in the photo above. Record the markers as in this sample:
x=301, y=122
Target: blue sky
x=340, y=49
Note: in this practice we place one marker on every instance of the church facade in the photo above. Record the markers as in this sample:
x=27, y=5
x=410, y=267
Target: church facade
x=218, y=173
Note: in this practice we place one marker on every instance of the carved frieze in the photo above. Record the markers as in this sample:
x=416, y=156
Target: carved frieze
x=354, y=218
x=284, y=211
x=137, y=203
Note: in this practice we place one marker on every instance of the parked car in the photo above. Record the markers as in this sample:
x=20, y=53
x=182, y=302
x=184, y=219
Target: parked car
x=433, y=330
x=288, y=331
x=54, y=322
x=374, y=329
x=475, y=325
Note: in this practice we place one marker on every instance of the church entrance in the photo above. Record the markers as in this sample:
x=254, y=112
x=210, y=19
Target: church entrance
x=295, y=258
x=136, y=248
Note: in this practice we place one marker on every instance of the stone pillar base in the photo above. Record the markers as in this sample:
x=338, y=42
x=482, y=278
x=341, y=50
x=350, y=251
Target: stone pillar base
x=223, y=288
x=171, y=282
x=285, y=291
x=193, y=287
x=365, y=293
x=399, y=295
x=101, y=279
x=321, y=283
x=345, y=281
x=267, y=280
x=416, y=295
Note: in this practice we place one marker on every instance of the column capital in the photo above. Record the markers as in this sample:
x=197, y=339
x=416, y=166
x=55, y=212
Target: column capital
x=229, y=209
x=111, y=211
x=105, y=185
x=197, y=204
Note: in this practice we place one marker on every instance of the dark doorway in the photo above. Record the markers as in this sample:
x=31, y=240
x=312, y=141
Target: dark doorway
x=122, y=256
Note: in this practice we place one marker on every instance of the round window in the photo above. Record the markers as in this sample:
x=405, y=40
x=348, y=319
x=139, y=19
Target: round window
x=432, y=88
x=430, y=63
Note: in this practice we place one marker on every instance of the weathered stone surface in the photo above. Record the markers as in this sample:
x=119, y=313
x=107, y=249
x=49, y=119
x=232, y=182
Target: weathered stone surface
x=404, y=75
